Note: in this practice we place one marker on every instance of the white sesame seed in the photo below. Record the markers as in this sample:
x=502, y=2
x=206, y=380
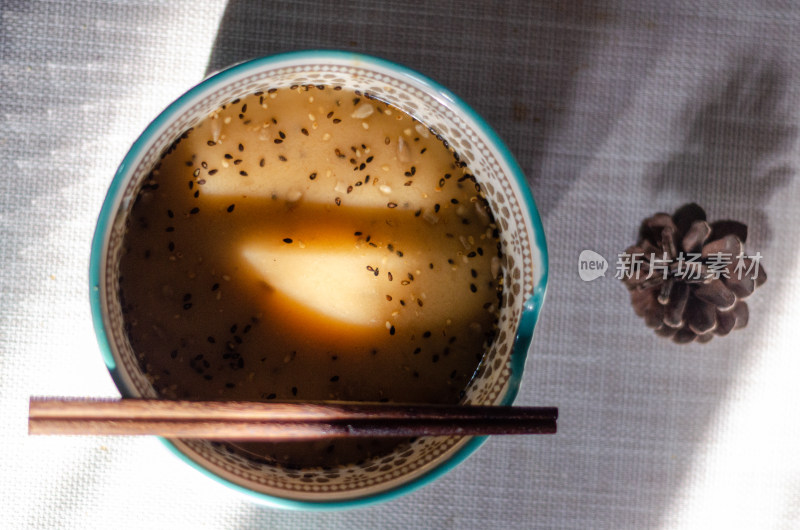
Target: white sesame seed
x=363, y=111
x=422, y=130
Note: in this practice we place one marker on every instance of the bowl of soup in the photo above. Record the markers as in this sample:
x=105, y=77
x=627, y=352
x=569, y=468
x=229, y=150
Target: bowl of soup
x=319, y=226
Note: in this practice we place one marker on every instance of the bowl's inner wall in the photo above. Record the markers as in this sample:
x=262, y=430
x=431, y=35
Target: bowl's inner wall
x=469, y=141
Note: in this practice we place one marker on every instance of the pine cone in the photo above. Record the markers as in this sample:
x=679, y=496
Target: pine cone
x=682, y=285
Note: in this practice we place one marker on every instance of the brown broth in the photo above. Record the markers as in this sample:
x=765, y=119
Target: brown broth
x=311, y=244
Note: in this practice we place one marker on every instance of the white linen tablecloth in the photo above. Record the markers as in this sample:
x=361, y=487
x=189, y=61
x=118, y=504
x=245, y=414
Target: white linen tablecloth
x=615, y=110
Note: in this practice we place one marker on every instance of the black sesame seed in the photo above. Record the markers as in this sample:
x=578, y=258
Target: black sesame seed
x=228, y=156
x=474, y=273
x=337, y=120
x=304, y=131
x=454, y=200
x=334, y=378
x=173, y=354
x=194, y=210
x=427, y=334
x=435, y=358
x=436, y=207
x=417, y=350
x=243, y=173
x=278, y=141
x=171, y=246
x=170, y=229
x=356, y=233
x=390, y=276
x=282, y=158
x=215, y=287
x=287, y=240
x=473, y=288
x=282, y=134
x=471, y=255
x=211, y=143
x=312, y=176
x=294, y=390
x=211, y=340
x=231, y=207
x=391, y=330
x=229, y=385
x=213, y=172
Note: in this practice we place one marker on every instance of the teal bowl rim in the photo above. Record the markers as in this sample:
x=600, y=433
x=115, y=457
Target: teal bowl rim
x=530, y=314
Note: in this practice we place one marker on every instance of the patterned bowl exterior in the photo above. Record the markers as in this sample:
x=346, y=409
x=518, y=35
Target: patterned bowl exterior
x=524, y=267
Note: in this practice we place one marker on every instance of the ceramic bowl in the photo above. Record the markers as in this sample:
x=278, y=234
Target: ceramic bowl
x=524, y=265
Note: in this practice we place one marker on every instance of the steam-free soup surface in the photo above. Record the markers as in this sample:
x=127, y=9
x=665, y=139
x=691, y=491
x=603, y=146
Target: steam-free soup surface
x=310, y=244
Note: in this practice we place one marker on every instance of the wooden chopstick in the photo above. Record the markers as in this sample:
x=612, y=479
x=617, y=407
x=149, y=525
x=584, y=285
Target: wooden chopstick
x=239, y=420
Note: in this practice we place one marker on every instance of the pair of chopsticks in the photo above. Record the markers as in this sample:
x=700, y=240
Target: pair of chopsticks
x=240, y=420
